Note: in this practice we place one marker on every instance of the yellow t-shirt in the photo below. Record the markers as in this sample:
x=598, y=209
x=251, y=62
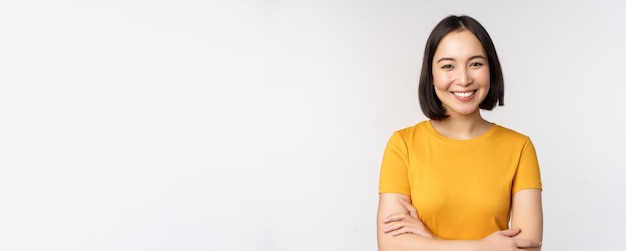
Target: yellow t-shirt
x=461, y=188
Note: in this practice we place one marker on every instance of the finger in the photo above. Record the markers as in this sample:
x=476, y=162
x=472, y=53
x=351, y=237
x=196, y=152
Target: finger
x=409, y=207
x=394, y=217
x=520, y=243
x=393, y=227
x=408, y=230
x=396, y=233
x=510, y=232
x=400, y=231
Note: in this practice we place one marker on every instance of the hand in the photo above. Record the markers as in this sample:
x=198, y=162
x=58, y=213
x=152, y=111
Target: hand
x=406, y=223
x=503, y=241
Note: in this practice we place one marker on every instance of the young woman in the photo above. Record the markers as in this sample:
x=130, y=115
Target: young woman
x=454, y=181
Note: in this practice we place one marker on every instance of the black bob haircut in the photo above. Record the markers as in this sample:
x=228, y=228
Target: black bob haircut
x=429, y=102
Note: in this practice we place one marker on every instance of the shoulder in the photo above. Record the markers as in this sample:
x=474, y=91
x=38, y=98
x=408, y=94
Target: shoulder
x=510, y=134
x=414, y=129
x=409, y=136
x=512, y=138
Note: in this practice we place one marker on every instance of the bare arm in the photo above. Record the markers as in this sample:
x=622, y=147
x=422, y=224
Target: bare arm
x=527, y=214
x=390, y=203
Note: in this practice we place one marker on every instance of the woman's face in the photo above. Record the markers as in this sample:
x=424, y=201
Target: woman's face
x=461, y=73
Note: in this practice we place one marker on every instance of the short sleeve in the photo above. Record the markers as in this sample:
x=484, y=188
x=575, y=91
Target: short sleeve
x=528, y=174
x=393, y=171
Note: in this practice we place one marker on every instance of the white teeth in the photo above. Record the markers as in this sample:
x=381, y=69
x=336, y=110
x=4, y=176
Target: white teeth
x=463, y=94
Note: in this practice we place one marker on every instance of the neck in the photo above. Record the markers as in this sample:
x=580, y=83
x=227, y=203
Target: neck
x=462, y=127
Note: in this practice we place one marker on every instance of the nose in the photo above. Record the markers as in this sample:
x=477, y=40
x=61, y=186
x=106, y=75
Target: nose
x=464, y=78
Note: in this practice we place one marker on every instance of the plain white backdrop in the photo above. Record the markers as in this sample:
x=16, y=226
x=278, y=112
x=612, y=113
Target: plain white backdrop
x=260, y=125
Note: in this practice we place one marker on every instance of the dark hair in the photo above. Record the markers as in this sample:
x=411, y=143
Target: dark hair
x=429, y=102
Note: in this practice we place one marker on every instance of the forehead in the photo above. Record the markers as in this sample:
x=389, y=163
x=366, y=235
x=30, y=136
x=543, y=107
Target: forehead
x=460, y=44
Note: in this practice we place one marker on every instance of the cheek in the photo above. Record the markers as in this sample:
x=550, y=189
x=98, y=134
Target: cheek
x=484, y=77
x=440, y=79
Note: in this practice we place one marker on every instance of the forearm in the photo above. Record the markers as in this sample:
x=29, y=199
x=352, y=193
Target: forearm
x=527, y=214
x=410, y=242
x=530, y=230
x=533, y=249
x=391, y=204
x=523, y=237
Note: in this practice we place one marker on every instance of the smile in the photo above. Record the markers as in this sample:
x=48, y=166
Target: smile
x=464, y=94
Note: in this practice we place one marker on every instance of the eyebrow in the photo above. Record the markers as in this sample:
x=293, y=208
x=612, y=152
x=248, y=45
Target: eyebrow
x=470, y=58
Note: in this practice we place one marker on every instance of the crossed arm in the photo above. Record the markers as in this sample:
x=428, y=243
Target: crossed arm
x=399, y=228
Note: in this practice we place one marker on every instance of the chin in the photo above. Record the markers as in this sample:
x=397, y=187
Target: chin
x=466, y=112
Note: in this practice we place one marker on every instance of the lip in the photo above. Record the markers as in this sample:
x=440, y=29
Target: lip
x=463, y=98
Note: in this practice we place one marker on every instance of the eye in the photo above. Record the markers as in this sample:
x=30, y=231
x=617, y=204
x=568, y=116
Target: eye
x=448, y=66
x=476, y=64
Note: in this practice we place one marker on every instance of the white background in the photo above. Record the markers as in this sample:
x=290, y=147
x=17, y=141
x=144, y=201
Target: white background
x=260, y=125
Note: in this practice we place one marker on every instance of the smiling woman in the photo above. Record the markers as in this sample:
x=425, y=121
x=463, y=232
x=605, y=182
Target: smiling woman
x=461, y=72
x=456, y=181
